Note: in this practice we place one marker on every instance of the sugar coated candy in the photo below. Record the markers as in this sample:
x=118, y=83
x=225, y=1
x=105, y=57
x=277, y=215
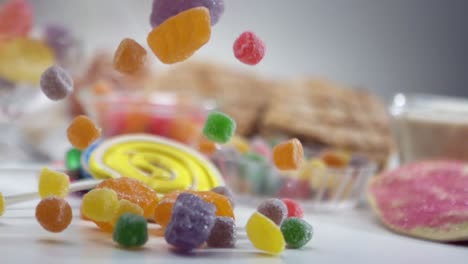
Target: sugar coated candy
x=82, y=132
x=53, y=183
x=73, y=159
x=294, y=208
x=225, y=191
x=2, y=204
x=274, y=209
x=223, y=233
x=249, y=49
x=206, y=146
x=129, y=56
x=180, y=36
x=125, y=206
x=335, y=158
x=16, y=18
x=131, y=230
x=100, y=205
x=219, y=127
x=191, y=222
x=55, y=83
x=54, y=214
x=288, y=155
x=297, y=232
x=265, y=234
x=164, y=9
x=60, y=40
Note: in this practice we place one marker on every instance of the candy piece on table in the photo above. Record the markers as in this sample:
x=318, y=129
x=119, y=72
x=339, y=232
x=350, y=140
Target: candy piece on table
x=162, y=213
x=296, y=232
x=294, y=208
x=16, y=53
x=288, y=155
x=249, y=49
x=191, y=222
x=54, y=214
x=2, y=204
x=134, y=191
x=55, y=83
x=274, y=209
x=239, y=143
x=225, y=191
x=129, y=56
x=125, y=206
x=53, y=183
x=206, y=146
x=73, y=159
x=131, y=230
x=219, y=127
x=82, y=132
x=184, y=130
x=164, y=9
x=17, y=19
x=265, y=234
x=100, y=205
x=335, y=158
x=180, y=36
x=223, y=233
x=312, y=169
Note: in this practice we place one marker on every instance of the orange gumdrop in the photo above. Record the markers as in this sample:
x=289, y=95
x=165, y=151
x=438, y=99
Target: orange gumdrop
x=82, y=132
x=335, y=158
x=129, y=56
x=180, y=36
x=206, y=146
x=135, y=191
x=102, y=88
x=162, y=213
x=54, y=214
x=288, y=155
x=136, y=120
x=184, y=130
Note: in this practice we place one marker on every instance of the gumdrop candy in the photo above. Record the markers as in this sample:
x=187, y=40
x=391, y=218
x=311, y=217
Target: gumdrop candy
x=219, y=127
x=164, y=9
x=54, y=214
x=125, y=206
x=223, y=190
x=82, y=132
x=73, y=159
x=53, y=183
x=274, y=209
x=184, y=130
x=223, y=233
x=265, y=234
x=335, y=158
x=129, y=56
x=206, y=146
x=100, y=205
x=55, y=83
x=61, y=41
x=131, y=230
x=180, y=36
x=191, y=222
x=288, y=155
x=16, y=18
x=294, y=208
x=296, y=232
x=249, y=49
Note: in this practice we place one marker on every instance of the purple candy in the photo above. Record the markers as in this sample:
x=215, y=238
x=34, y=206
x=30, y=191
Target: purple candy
x=164, y=9
x=191, y=222
x=55, y=83
x=275, y=209
x=223, y=234
x=59, y=39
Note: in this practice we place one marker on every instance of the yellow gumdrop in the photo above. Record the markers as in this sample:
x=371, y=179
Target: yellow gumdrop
x=265, y=234
x=24, y=60
x=2, y=204
x=100, y=205
x=53, y=183
x=312, y=168
x=125, y=206
x=240, y=143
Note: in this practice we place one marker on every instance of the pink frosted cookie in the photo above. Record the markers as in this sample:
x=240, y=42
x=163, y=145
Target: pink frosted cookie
x=426, y=199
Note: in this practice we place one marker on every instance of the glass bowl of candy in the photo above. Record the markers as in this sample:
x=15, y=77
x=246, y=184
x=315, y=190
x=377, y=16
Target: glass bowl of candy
x=328, y=179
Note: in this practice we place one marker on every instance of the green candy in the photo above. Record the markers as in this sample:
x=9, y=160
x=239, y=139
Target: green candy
x=131, y=230
x=73, y=159
x=296, y=232
x=219, y=127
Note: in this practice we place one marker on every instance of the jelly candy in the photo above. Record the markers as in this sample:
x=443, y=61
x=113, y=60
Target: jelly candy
x=184, y=130
x=53, y=183
x=225, y=191
x=296, y=232
x=180, y=36
x=73, y=159
x=239, y=143
x=125, y=206
x=288, y=155
x=16, y=18
x=223, y=233
x=129, y=57
x=206, y=146
x=131, y=230
x=265, y=234
x=100, y=205
x=54, y=214
x=294, y=208
x=55, y=83
x=164, y=9
x=163, y=211
x=82, y=132
x=61, y=41
x=274, y=209
x=335, y=158
x=18, y=52
x=134, y=191
x=219, y=127
x=249, y=49
x=191, y=222
x=2, y=204
x=312, y=169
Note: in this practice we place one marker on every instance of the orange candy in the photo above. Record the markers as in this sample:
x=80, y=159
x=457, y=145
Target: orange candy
x=335, y=158
x=206, y=146
x=180, y=36
x=54, y=214
x=129, y=57
x=162, y=214
x=288, y=155
x=135, y=191
x=184, y=130
x=82, y=132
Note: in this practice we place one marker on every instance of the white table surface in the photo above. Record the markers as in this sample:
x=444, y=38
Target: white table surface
x=347, y=237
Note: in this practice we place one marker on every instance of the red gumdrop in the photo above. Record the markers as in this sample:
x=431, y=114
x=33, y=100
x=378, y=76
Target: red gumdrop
x=294, y=209
x=16, y=18
x=249, y=49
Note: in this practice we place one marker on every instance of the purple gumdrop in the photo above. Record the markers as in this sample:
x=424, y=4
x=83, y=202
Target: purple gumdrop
x=59, y=39
x=223, y=234
x=55, y=83
x=275, y=209
x=191, y=222
x=164, y=9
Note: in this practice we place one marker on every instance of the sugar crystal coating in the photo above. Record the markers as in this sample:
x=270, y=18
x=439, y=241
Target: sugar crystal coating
x=164, y=9
x=129, y=56
x=53, y=183
x=56, y=84
x=225, y=191
x=219, y=127
x=54, y=214
x=131, y=230
x=249, y=49
x=274, y=209
x=82, y=132
x=223, y=233
x=294, y=208
x=297, y=232
x=288, y=155
x=100, y=204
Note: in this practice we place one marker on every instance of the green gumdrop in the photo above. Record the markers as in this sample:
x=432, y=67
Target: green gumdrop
x=219, y=127
x=296, y=232
x=131, y=230
x=73, y=159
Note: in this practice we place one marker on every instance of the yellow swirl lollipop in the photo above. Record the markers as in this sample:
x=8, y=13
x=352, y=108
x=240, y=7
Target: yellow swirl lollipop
x=162, y=164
